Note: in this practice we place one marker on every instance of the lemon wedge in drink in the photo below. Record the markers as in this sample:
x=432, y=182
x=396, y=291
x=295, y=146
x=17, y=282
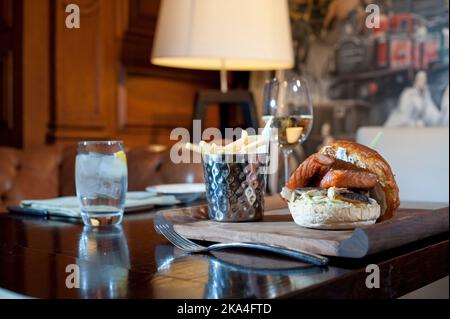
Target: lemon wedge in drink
x=121, y=155
x=293, y=134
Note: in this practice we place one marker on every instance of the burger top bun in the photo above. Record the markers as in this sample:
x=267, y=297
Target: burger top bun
x=368, y=159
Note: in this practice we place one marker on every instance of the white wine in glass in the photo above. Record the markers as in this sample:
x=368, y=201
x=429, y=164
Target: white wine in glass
x=292, y=129
x=288, y=104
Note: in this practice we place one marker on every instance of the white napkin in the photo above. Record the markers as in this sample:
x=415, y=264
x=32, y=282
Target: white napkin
x=68, y=206
x=7, y=294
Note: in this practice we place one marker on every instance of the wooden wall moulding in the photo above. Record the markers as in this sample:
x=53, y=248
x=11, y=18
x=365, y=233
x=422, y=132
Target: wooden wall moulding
x=6, y=15
x=84, y=69
x=6, y=85
x=11, y=16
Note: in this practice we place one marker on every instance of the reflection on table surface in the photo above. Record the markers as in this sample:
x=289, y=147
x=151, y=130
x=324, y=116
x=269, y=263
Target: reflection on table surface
x=237, y=274
x=104, y=262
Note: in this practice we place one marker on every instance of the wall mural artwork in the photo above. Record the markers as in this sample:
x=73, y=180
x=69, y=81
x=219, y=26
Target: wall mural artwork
x=395, y=74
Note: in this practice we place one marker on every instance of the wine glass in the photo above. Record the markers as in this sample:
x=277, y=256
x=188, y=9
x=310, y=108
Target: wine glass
x=288, y=104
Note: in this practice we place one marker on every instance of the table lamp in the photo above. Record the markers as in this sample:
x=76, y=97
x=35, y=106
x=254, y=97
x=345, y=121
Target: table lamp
x=224, y=35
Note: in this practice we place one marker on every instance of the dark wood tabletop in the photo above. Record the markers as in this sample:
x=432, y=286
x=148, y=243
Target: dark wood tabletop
x=133, y=261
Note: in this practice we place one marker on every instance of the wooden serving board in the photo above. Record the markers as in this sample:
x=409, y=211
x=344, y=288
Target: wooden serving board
x=278, y=229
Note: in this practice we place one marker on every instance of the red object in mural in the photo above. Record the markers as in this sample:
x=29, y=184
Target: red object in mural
x=400, y=52
x=384, y=25
x=373, y=88
x=402, y=22
x=382, y=52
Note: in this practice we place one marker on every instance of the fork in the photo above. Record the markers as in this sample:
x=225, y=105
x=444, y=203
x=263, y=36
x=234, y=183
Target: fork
x=166, y=229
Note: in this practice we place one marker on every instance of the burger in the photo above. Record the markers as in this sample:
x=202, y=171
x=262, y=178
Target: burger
x=343, y=186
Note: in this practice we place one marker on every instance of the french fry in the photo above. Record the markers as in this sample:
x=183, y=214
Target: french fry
x=243, y=145
x=244, y=137
x=254, y=145
x=205, y=147
x=213, y=148
x=237, y=145
x=193, y=147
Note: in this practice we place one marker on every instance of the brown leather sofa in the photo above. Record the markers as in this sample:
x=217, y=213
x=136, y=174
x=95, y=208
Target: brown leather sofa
x=48, y=172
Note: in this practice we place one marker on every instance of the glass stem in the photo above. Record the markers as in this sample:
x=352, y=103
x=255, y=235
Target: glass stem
x=286, y=153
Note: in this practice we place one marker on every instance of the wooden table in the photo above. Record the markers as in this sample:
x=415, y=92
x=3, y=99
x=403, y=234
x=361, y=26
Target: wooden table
x=133, y=261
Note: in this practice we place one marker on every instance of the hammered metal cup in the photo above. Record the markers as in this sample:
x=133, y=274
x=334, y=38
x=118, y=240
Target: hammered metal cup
x=235, y=186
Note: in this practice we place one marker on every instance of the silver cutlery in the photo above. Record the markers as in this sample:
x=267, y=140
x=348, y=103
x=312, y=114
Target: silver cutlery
x=166, y=229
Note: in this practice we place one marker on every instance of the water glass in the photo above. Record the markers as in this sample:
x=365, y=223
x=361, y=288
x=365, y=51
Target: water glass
x=101, y=178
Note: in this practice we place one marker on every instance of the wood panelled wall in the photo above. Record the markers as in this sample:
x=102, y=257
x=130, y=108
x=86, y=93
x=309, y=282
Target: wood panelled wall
x=11, y=17
x=84, y=72
x=36, y=72
x=104, y=84
x=95, y=82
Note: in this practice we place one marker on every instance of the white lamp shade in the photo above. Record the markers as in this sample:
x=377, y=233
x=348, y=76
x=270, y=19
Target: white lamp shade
x=223, y=34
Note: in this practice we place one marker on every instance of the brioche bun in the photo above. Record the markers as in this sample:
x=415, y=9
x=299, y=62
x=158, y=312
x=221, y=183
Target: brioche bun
x=325, y=217
x=368, y=159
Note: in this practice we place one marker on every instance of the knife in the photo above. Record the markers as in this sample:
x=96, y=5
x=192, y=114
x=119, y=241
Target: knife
x=27, y=211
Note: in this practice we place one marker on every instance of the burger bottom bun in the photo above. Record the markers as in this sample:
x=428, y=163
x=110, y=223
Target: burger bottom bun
x=324, y=217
